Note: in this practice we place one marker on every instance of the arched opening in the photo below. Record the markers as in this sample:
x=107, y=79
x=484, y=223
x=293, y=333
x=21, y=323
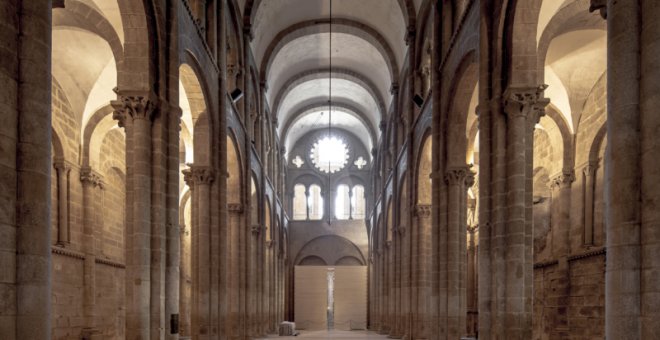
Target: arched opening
x=315, y=202
x=299, y=202
x=358, y=204
x=342, y=202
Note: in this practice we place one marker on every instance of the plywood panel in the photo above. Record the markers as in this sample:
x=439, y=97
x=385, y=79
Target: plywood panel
x=350, y=297
x=311, y=297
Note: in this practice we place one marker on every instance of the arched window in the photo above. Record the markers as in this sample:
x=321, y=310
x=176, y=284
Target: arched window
x=357, y=202
x=342, y=203
x=299, y=202
x=315, y=203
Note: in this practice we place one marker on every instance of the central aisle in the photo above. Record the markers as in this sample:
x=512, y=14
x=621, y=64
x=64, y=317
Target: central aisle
x=346, y=335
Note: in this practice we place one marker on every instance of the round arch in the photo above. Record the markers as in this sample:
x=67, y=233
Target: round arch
x=195, y=111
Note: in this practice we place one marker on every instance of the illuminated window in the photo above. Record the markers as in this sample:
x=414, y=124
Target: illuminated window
x=315, y=203
x=299, y=202
x=329, y=154
x=357, y=202
x=342, y=203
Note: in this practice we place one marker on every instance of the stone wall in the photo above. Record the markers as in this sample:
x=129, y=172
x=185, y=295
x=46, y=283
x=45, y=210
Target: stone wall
x=569, y=287
x=67, y=299
x=304, y=232
x=108, y=201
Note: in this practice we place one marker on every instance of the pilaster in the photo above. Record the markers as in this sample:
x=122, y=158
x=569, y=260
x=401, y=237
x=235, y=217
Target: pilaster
x=63, y=169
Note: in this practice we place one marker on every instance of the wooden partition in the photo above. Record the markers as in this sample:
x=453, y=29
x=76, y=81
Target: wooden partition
x=311, y=297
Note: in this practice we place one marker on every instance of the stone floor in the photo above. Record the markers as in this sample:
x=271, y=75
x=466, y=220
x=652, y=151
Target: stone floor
x=345, y=335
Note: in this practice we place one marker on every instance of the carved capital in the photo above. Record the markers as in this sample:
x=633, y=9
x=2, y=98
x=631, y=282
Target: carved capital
x=589, y=170
x=423, y=210
x=232, y=70
x=599, y=5
x=401, y=230
x=526, y=102
x=256, y=229
x=235, y=207
x=247, y=32
x=563, y=180
x=133, y=106
x=411, y=33
x=382, y=126
x=424, y=71
x=62, y=166
x=459, y=176
x=198, y=175
x=394, y=88
x=90, y=177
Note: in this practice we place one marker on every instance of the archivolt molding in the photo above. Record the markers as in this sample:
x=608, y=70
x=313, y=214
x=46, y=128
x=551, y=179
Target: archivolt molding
x=338, y=106
x=138, y=21
x=566, y=135
x=326, y=240
x=101, y=119
x=318, y=26
x=337, y=73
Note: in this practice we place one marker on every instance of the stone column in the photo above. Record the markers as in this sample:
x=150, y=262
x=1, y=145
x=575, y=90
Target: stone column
x=406, y=262
x=390, y=284
x=589, y=172
x=375, y=316
x=472, y=273
x=135, y=112
x=560, y=187
x=25, y=201
x=523, y=107
x=90, y=181
x=233, y=268
x=397, y=239
x=561, y=205
x=184, y=304
x=623, y=171
x=395, y=332
x=63, y=169
x=252, y=294
x=458, y=179
x=201, y=178
x=383, y=302
x=422, y=273
x=172, y=234
x=631, y=170
x=650, y=163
